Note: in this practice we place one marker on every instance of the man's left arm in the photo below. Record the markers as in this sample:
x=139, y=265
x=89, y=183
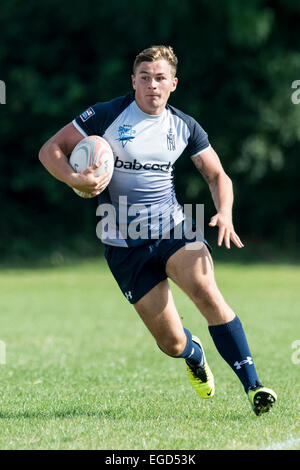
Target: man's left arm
x=220, y=185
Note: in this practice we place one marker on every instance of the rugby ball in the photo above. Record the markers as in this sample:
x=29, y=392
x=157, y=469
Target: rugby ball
x=87, y=152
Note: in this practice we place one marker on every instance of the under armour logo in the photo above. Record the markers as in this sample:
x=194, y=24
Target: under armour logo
x=193, y=350
x=238, y=365
x=128, y=295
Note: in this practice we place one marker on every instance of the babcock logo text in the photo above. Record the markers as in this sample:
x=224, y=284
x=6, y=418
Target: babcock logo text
x=135, y=165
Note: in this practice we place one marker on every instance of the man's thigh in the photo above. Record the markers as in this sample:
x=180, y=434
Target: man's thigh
x=187, y=266
x=192, y=271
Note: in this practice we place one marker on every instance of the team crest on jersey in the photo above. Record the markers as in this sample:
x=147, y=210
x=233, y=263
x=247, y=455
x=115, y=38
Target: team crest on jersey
x=171, y=140
x=126, y=134
x=87, y=114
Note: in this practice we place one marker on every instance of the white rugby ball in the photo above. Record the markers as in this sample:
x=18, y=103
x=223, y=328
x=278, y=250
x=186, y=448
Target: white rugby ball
x=87, y=152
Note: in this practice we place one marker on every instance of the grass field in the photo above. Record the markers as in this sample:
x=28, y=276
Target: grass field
x=82, y=371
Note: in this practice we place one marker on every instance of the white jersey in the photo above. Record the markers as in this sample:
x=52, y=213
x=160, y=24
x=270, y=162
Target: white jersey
x=145, y=148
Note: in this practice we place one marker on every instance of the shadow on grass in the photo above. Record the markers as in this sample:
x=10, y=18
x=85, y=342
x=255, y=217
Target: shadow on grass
x=113, y=413
x=118, y=413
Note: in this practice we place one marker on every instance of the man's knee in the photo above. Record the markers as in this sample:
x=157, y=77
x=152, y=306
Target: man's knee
x=173, y=347
x=204, y=290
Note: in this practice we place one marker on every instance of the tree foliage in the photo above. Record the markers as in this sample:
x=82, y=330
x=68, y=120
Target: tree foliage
x=237, y=63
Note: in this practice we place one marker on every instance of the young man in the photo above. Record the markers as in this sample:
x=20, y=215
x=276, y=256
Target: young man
x=147, y=136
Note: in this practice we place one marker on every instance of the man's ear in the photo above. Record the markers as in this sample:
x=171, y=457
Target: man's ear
x=133, y=81
x=175, y=81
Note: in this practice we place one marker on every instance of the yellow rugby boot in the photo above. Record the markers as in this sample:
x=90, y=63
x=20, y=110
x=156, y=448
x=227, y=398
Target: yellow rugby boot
x=262, y=399
x=200, y=375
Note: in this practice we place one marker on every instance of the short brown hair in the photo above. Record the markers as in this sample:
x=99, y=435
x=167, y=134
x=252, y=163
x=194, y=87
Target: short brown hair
x=154, y=53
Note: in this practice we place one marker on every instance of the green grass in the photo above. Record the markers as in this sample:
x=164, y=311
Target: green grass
x=82, y=371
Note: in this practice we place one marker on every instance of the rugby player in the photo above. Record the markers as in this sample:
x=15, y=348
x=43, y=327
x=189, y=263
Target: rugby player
x=147, y=136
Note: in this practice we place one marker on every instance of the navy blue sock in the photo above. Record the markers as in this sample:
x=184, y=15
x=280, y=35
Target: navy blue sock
x=231, y=342
x=192, y=353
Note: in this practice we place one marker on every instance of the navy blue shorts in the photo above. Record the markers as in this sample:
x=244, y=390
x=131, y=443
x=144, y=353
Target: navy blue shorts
x=138, y=269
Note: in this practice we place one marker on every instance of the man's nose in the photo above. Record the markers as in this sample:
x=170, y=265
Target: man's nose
x=152, y=83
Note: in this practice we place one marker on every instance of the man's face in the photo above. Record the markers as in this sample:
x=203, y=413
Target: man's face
x=153, y=82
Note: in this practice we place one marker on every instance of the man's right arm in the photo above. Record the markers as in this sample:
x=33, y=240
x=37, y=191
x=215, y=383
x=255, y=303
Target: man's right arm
x=53, y=155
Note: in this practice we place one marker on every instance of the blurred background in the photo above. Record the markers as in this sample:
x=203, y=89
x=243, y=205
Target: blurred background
x=237, y=63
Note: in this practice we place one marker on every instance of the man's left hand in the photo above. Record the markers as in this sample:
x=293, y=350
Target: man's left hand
x=226, y=230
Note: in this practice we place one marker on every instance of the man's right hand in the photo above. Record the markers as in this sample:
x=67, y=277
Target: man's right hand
x=87, y=182
x=53, y=155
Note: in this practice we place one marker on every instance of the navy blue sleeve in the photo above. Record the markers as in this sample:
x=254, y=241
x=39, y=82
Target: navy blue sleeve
x=198, y=139
x=97, y=118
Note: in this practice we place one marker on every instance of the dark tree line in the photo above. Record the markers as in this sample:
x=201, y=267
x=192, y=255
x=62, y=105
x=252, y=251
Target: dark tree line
x=237, y=63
